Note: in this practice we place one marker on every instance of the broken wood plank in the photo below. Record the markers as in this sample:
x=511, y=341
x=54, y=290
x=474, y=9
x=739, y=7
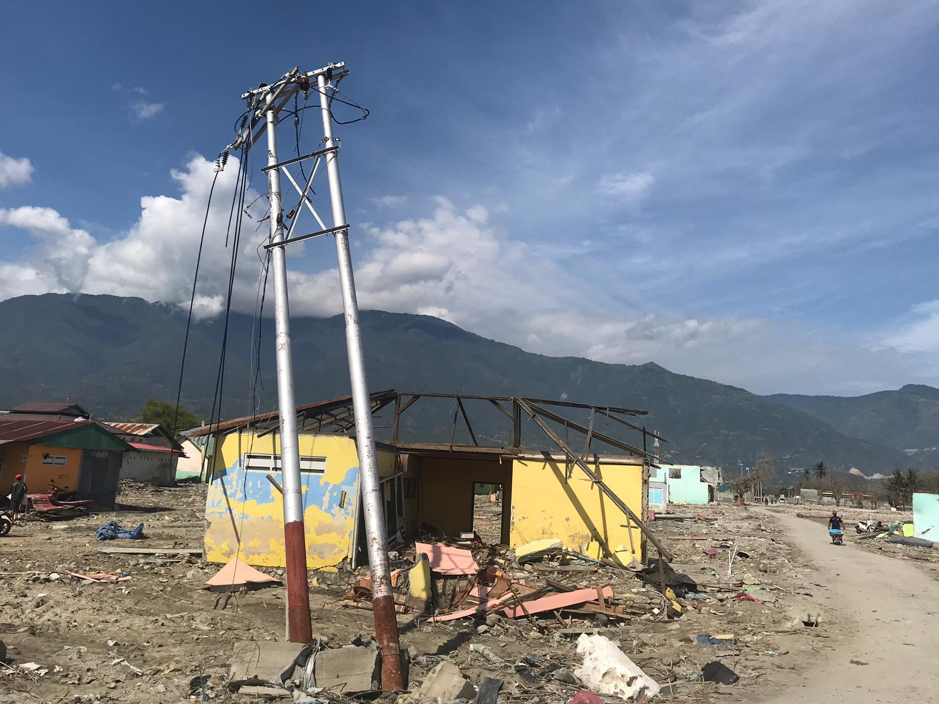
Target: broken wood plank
x=118, y=550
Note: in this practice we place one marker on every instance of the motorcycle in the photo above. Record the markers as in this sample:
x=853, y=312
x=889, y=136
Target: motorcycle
x=869, y=526
x=837, y=536
x=56, y=494
x=6, y=521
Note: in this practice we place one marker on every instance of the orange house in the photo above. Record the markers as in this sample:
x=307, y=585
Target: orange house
x=76, y=455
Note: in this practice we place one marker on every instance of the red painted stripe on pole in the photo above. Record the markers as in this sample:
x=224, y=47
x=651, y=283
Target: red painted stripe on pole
x=386, y=633
x=299, y=624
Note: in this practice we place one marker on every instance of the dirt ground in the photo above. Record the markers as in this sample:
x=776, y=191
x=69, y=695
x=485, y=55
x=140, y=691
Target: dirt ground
x=881, y=637
x=870, y=543
x=161, y=637
x=487, y=519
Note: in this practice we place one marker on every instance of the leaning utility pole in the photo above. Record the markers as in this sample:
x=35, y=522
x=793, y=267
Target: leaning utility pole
x=383, y=607
x=268, y=100
x=299, y=625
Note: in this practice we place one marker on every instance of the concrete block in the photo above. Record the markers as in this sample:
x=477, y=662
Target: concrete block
x=446, y=683
x=263, y=661
x=348, y=670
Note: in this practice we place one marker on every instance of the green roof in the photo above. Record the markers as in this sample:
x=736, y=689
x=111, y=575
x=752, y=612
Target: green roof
x=84, y=436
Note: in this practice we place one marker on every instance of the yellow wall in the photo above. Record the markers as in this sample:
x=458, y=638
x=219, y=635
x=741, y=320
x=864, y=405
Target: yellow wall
x=547, y=505
x=446, y=490
x=36, y=474
x=246, y=505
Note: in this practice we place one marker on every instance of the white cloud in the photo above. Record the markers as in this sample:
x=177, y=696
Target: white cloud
x=390, y=201
x=144, y=110
x=117, y=87
x=920, y=333
x=14, y=172
x=631, y=187
x=65, y=251
x=455, y=264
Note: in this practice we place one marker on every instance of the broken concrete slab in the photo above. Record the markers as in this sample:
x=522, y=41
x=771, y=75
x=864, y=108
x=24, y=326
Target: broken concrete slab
x=446, y=683
x=260, y=662
x=348, y=670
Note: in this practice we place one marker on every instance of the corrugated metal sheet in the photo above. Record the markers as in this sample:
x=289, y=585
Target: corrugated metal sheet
x=18, y=430
x=135, y=428
x=85, y=435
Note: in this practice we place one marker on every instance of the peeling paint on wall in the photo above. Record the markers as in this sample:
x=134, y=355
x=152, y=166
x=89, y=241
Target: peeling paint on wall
x=245, y=513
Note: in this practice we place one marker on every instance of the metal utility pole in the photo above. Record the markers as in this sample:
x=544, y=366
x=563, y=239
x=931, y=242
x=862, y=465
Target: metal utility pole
x=299, y=626
x=269, y=100
x=383, y=608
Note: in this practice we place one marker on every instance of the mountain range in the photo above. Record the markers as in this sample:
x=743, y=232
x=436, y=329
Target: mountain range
x=111, y=354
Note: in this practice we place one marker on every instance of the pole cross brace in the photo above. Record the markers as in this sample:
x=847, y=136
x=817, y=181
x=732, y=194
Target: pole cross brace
x=327, y=231
x=298, y=159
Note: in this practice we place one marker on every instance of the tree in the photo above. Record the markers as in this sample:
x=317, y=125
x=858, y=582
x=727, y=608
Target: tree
x=912, y=481
x=836, y=486
x=164, y=413
x=901, y=487
x=820, y=470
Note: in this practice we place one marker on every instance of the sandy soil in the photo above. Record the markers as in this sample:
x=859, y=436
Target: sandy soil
x=179, y=639
x=881, y=617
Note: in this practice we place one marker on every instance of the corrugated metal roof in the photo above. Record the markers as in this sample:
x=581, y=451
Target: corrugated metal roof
x=17, y=430
x=135, y=428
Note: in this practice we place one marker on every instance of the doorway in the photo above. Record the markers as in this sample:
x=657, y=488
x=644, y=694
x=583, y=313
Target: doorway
x=488, y=506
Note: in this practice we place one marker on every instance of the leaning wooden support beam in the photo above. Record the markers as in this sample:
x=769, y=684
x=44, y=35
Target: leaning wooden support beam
x=550, y=415
x=614, y=499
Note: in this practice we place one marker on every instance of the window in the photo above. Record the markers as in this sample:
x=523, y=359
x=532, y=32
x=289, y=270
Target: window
x=56, y=460
x=674, y=473
x=656, y=496
x=271, y=463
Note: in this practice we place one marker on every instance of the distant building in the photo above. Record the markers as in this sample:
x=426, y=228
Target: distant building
x=687, y=484
x=154, y=455
x=56, y=443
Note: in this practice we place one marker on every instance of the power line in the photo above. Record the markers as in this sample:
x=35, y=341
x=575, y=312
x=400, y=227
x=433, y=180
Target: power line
x=182, y=365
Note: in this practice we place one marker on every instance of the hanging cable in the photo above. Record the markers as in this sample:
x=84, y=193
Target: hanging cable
x=220, y=164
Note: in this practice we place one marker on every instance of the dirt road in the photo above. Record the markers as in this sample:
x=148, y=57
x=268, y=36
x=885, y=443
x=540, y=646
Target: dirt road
x=882, y=615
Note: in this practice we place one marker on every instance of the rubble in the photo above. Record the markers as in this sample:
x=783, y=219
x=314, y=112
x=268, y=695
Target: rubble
x=446, y=683
x=348, y=670
x=608, y=670
x=170, y=629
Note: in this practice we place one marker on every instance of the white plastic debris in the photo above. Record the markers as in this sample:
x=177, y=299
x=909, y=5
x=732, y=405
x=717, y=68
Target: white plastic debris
x=607, y=670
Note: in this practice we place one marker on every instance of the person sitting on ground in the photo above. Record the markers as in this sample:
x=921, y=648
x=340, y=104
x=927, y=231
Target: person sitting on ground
x=835, y=522
x=18, y=495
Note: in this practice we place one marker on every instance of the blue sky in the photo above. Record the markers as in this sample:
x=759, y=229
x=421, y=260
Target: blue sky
x=742, y=191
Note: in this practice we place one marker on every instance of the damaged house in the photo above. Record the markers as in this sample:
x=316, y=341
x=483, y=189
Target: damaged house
x=590, y=501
